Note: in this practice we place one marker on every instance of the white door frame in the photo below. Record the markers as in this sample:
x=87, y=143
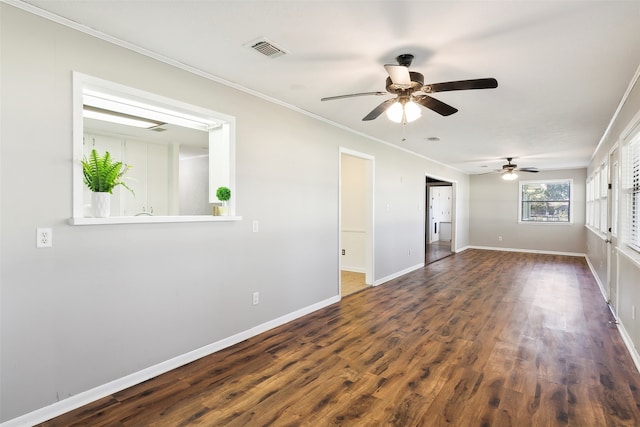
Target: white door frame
x=369, y=200
x=613, y=158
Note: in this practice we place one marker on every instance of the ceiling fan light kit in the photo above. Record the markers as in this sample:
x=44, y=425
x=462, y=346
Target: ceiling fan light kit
x=508, y=171
x=412, y=93
x=404, y=112
x=510, y=176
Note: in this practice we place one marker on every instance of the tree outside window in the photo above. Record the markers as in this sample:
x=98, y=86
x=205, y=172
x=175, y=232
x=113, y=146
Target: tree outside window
x=545, y=201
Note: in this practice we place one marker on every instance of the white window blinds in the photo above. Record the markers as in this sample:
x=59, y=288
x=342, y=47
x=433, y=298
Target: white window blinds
x=634, y=194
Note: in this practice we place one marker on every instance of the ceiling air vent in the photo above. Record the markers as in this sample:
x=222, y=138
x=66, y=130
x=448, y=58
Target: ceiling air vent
x=266, y=48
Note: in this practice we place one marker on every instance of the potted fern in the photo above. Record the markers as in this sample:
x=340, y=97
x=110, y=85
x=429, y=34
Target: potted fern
x=101, y=176
x=223, y=194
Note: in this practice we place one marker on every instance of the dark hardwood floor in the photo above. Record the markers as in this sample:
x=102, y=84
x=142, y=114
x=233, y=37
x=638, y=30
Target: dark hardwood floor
x=480, y=338
x=436, y=251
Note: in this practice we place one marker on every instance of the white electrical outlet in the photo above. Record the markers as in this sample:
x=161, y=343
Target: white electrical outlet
x=256, y=226
x=44, y=237
x=256, y=298
x=500, y=238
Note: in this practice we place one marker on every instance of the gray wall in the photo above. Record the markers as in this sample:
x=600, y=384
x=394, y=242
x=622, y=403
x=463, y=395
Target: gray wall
x=108, y=301
x=628, y=268
x=494, y=213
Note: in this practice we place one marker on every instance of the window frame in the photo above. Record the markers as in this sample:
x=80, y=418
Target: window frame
x=631, y=194
x=603, y=197
x=590, y=202
x=521, y=186
x=615, y=197
x=225, y=146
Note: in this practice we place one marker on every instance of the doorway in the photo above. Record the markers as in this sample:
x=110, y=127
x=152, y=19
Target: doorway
x=356, y=221
x=439, y=224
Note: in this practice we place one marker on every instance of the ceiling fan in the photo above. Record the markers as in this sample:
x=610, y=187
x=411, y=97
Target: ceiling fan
x=508, y=171
x=412, y=92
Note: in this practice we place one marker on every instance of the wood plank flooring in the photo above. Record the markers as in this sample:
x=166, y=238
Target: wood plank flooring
x=436, y=251
x=480, y=338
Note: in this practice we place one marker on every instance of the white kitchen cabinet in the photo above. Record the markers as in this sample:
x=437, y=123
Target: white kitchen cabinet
x=148, y=177
x=440, y=205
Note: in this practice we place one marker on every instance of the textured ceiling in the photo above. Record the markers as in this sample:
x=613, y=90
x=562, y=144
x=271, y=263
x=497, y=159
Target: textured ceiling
x=562, y=66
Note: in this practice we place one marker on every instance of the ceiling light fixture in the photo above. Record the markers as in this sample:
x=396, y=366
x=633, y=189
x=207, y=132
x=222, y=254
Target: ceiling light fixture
x=404, y=111
x=145, y=115
x=120, y=118
x=509, y=176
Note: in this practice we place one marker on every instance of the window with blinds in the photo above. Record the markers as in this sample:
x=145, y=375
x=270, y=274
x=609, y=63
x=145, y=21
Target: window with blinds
x=633, y=196
x=604, y=178
x=590, y=202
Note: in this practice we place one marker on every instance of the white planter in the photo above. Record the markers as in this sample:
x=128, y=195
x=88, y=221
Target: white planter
x=101, y=205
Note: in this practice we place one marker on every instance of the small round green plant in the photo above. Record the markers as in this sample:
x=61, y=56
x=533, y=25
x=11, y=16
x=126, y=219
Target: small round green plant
x=223, y=194
x=102, y=174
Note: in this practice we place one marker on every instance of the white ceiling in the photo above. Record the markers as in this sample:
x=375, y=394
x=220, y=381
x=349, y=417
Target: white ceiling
x=562, y=66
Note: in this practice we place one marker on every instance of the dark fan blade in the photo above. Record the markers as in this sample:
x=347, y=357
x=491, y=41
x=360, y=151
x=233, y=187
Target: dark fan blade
x=379, y=109
x=352, y=95
x=435, y=105
x=532, y=170
x=489, y=83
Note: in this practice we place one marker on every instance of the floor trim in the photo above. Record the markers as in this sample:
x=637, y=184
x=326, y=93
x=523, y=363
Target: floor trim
x=86, y=397
x=628, y=342
x=626, y=338
x=532, y=251
x=398, y=274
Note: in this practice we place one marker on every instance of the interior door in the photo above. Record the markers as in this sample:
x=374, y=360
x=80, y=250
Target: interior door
x=612, y=230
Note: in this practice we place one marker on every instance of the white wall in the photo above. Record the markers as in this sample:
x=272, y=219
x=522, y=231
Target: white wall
x=108, y=301
x=494, y=207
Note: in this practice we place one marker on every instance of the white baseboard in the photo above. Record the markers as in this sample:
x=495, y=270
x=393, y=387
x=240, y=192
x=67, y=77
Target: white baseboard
x=532, y=251
x=73, y=402
x=398, y=274
x=603, y=291
x=628, y=342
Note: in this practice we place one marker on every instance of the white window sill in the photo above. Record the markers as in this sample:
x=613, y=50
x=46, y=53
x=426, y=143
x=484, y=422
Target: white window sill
x=143, y=219
x=597, y=232
x=554, y=223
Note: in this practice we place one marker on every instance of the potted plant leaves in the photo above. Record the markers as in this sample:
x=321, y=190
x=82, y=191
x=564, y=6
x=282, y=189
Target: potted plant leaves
x=223, y=194
x=101, y=175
